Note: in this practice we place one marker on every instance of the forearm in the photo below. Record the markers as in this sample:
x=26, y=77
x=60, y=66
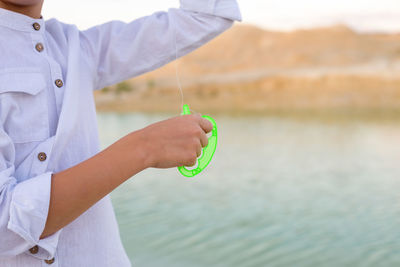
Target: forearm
x=76, y=189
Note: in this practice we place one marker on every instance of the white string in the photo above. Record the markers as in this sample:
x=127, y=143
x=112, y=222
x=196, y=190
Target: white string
x=177, y=74
x=176, y=71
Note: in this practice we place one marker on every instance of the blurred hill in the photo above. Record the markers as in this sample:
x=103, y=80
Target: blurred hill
x=248, y=69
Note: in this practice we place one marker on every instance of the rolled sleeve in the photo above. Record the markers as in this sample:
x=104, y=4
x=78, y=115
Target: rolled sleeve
x=118, y=51
x=28, y=214
x=24, y=207
x=228, y=9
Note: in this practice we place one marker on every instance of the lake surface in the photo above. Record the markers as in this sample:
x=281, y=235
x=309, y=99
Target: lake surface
x=280, y=191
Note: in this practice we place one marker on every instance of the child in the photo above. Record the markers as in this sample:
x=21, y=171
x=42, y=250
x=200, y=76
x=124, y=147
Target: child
x=54, y=181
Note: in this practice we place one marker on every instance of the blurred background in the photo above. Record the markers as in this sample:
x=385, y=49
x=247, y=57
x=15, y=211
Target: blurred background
x=306, y=95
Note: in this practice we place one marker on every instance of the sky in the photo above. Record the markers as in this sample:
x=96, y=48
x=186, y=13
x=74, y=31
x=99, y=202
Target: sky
x=281, y=15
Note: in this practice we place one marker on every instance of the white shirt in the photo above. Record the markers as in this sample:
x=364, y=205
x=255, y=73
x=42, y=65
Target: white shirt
x=48, y=118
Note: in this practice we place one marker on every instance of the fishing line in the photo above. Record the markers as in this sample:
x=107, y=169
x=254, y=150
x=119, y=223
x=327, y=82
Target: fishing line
x=177, y=72
x=178, y=80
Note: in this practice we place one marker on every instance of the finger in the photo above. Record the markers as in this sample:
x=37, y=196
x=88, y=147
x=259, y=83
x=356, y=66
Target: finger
x=206, y=125
x=190, y=163
x=199, y=150
x=204, y=140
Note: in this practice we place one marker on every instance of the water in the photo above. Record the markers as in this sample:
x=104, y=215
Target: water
x=280, y=191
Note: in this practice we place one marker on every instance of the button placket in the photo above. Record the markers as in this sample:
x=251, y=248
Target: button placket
x=38, y=42
x=38, y=166
x=57, y=76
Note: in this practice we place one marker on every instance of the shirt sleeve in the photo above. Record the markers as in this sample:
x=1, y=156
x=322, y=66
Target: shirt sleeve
x=118, y=51
x=23, y=208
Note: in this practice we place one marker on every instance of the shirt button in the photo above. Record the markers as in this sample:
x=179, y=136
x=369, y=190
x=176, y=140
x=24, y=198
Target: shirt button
x=49, y=261
x=36, y=26
x=59, y=83
x=34, y=250
x=42, y=156
x=39, y=47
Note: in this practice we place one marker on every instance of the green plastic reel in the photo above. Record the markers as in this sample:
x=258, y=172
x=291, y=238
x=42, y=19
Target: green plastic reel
x=208, y=151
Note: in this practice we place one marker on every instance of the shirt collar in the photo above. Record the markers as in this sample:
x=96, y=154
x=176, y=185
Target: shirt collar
x=19, y=21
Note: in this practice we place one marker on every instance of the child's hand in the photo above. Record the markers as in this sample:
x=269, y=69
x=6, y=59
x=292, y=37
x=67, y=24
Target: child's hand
x=175, y=142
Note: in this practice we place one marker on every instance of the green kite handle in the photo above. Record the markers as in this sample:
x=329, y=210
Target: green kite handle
x=207, y=153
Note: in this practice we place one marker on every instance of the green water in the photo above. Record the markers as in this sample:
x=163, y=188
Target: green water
x=280, y=191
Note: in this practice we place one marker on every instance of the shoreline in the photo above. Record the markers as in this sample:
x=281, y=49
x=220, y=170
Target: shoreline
x=372, y=116
x=340, y=94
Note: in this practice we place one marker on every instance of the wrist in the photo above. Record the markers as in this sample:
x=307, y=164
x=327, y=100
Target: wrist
x=141, y=149
x=127, y=156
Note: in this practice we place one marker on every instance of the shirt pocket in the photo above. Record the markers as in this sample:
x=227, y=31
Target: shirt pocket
x=23, y=106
